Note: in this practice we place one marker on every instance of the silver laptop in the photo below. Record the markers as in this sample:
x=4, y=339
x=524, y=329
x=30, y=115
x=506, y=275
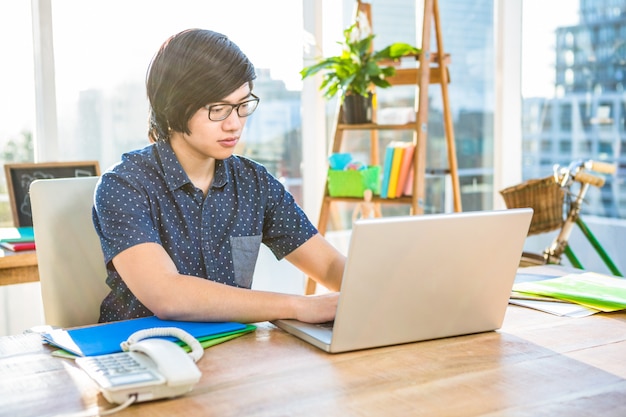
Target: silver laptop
x=413, y=278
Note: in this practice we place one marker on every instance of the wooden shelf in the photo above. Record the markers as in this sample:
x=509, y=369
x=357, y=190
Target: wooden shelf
x=375, y=199
x=410, y=76
x=408, y=73
x=18, y=267
x=376, y=126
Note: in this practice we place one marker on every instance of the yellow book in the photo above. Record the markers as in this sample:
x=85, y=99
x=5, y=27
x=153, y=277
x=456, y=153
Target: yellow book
x=405, y=170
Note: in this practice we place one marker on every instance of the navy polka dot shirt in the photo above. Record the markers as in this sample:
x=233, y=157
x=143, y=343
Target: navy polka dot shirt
x=148, y=197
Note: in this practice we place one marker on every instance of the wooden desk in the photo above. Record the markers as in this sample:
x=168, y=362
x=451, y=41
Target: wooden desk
x=537, y=364
x=18, y=267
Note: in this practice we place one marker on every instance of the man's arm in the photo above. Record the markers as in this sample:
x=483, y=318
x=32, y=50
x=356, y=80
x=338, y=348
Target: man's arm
x=151, y=275
x=320, y=260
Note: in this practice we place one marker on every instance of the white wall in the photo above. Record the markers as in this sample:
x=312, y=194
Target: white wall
x=20, y=307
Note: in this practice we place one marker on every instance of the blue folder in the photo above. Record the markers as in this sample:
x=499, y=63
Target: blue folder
x=106, y=338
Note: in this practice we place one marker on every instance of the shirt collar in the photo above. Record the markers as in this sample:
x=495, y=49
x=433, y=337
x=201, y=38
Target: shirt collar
x=176, y=177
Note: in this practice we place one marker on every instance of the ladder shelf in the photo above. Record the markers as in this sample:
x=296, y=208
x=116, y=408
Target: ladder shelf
x=436, y=62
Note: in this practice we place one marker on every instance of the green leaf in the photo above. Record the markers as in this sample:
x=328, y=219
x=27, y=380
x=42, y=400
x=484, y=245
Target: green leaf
x=357, y=68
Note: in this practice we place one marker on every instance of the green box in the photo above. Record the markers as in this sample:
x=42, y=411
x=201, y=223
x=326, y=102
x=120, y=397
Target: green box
x=352, y=183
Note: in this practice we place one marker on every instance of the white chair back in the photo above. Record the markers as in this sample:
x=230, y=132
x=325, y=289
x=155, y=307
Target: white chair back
x=71, y=264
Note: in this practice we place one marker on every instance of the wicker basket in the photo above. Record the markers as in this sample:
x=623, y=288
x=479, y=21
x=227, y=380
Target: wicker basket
x=544, y=196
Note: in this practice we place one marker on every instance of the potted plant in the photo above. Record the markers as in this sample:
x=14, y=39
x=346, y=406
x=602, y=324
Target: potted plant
x=353, y=73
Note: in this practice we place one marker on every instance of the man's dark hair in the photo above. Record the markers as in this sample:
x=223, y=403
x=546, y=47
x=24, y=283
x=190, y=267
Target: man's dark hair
x=192, y=69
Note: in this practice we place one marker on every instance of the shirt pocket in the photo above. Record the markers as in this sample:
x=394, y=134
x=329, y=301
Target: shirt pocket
x=245, y=251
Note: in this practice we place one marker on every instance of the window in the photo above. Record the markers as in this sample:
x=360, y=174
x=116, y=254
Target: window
x=101, y=104
x=101, y=59
x=546, y=117
x=572, y=58
x=102, y=50
x=546, y=146
x=584, y=147
x=467, y=31
x=17, y=101
x=586, y=86
x=565, y=117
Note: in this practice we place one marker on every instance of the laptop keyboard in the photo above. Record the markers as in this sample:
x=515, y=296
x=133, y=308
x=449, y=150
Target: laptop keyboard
x=326, y=325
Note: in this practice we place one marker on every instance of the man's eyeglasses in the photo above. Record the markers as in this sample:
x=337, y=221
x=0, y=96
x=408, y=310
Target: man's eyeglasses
x=219, y=112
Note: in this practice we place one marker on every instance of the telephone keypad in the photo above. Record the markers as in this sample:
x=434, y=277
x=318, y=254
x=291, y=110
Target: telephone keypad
x=118, y=369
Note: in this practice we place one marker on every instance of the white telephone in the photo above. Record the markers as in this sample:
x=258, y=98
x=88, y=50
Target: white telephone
x=148, y=369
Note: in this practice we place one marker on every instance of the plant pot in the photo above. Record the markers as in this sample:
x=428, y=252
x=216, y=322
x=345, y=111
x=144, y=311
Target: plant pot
x=357, y=109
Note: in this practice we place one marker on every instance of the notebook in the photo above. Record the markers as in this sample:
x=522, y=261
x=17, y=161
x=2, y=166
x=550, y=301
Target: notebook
x=415, y=278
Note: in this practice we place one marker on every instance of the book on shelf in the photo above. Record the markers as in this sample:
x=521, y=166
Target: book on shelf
x=394, y=154
x=396, y=162
x=386, y=171
x=405, y=169
x=17, y=238
x=408, y=187
x=18, y=246
x=17, y=234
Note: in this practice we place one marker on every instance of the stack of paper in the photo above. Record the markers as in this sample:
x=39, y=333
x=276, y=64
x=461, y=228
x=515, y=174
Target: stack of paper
x=17, y=238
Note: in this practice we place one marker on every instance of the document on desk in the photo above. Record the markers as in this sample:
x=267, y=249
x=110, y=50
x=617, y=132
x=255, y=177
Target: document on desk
x=544, y=303
x=556, y=307
x=589, y=289
x=20, y=344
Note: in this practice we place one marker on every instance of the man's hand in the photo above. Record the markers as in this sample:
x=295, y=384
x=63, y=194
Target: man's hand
x=317, y=308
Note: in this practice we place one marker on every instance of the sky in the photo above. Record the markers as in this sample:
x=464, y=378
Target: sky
x=540, y=18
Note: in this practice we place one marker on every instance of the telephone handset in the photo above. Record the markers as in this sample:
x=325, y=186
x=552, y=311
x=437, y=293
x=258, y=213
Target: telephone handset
x=148, y=369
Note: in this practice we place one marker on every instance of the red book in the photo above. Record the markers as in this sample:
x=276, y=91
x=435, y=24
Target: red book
x=18, y=246
x=408, y=187
x=405, y=169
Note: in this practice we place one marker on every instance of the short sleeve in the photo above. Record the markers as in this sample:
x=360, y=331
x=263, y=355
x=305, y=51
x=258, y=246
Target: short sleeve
x=121, y=215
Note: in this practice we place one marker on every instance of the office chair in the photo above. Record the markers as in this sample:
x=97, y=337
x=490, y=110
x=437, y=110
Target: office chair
x=71, y=264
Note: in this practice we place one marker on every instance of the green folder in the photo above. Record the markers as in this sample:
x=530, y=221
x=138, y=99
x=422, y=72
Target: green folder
x=602, y=292
x=209, y=341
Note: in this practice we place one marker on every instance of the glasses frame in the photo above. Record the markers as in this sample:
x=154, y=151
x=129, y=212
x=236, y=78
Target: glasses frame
x=254, y=99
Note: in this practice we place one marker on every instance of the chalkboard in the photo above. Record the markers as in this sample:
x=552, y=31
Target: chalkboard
x=19, y=177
